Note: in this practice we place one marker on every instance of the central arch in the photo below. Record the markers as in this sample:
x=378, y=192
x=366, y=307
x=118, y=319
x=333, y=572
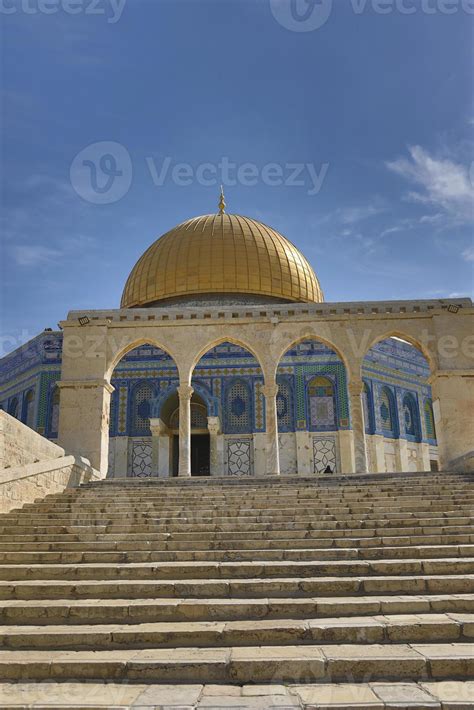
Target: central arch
x=230, y=380
x=313, y=409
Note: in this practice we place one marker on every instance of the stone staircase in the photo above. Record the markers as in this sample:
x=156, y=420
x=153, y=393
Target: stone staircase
x=250, y=593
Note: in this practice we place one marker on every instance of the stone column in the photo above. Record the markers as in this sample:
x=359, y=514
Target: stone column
x=355, y=388
x=216, y=467
x=185, y=393
x=161, y=448
x=84, y=413
x=273, y=454
x=453, y=406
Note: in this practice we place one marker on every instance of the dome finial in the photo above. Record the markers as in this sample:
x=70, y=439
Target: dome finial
x=222, y=201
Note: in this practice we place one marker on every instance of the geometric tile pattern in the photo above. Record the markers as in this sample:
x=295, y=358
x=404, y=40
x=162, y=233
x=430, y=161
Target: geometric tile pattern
x=141, y=459
x=324, y=455
x=239, y=457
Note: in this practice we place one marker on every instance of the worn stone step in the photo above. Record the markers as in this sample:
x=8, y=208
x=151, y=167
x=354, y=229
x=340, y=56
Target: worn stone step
x=416, y=628
x=134, y=611
x=235, y=524
x=111, y=553
x=25, y=534
x=317, y=509
x=388, y=695
x=164, y=542
x=289, y=664
x=231, y=570
x=239, y=588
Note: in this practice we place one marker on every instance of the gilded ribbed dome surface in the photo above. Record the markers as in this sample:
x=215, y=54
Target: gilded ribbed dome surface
x=221, y=254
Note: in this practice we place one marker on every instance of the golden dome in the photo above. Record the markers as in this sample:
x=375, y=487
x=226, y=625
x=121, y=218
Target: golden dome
x=221, y=254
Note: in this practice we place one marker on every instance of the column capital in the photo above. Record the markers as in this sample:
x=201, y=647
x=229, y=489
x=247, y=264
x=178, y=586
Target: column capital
x=158, y=427
x=355, y=387
x=185, y=392
x=269, y=390
x=214, y=425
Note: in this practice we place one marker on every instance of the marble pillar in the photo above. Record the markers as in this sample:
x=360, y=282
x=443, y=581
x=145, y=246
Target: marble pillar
x=273, y=454
x=185, y=393
x=358, y=426
x=216, y=462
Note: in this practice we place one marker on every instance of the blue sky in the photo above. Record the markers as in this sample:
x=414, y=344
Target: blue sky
x=370, y=114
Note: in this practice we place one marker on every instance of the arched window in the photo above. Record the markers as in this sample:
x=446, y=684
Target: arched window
x=14, y=407
x=284, y=402
x=388, y=412
x=321, y=404
x=410, y=416
x=53, y=424
x=429, y=420
x=29, y=409
x=140, y=409
x=238, y=415
x=368, y=407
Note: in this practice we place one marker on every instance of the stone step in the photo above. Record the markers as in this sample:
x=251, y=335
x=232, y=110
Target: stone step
x=268, y=522
x=161, y=541
x=322, y=580
x=135, y=611
x=388, y=695
x=238, y=588
x=415, y=628
x=316, y=507
x=237, y=570
x=249, y=664
x=248, y=506
x=79, y=553
x=272, y=532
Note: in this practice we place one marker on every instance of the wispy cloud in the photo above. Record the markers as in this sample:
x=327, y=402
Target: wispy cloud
x=358, y=213
x=468, y=254
x=34, y=255
x=441, y=182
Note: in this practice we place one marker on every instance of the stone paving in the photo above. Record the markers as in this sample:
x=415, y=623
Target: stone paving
x=258, y=593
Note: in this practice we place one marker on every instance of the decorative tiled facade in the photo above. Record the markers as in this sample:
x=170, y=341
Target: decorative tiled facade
x=228, y=381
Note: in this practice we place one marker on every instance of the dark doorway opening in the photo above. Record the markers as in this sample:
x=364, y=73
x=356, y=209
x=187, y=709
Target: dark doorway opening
x=200, y=455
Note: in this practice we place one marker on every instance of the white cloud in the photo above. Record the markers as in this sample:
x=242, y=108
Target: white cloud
x=34, y=255
x=468, y=254
x=441, y=183
x=352, y=215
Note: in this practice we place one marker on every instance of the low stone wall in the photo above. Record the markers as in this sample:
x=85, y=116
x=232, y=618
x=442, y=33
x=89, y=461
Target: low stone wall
x=21, y=445
x=25, y=484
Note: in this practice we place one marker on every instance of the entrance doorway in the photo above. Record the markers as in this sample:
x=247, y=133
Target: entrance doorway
x=200, y=455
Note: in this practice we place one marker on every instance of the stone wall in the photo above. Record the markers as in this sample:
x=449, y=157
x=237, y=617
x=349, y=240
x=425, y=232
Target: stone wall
x=27, y=483
x=20, y=445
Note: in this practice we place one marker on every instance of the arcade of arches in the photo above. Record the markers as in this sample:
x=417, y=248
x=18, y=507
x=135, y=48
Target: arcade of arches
x=224, y=359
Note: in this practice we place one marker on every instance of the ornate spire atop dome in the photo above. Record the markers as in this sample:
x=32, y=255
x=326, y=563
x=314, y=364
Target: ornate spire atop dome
x=222, y=201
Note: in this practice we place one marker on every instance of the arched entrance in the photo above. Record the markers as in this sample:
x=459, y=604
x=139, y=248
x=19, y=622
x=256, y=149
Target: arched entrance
x=230, y=381
x=200, y=439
